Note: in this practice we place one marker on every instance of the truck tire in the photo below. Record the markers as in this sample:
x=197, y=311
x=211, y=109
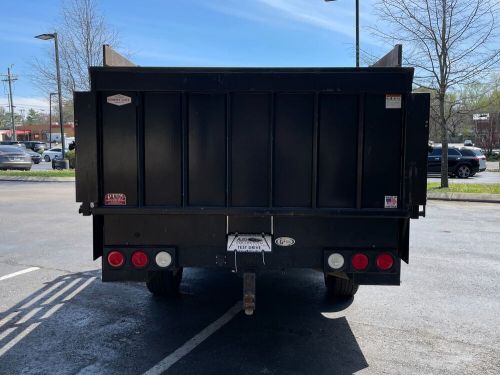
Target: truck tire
x=164, y=283
x=340, y=288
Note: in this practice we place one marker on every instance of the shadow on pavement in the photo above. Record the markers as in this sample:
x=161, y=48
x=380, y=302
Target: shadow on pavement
x=77, y=324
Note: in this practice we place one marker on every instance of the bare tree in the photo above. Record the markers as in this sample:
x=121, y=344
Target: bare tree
x=82, y=33
x=451, y=43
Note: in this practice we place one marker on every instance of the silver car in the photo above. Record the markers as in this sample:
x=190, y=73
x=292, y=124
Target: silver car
x=13, y=157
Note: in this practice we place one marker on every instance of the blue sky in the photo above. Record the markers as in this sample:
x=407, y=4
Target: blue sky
x=195, y=33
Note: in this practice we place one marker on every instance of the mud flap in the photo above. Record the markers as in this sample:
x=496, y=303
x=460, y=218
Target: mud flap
x=98, y=229
x=404, y=240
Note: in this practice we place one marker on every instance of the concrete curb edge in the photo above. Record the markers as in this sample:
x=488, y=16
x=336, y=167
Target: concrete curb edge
x=464, y=197
x=37, y=179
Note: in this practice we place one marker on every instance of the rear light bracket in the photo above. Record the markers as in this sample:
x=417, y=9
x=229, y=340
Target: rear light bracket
x=372, y=253
x=151, y=251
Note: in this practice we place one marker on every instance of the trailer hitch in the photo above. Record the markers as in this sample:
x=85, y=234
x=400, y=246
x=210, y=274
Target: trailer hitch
x=249, y=292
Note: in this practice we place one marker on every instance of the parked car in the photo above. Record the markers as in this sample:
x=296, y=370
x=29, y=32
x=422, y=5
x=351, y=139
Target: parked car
x=459, y=165
x=35, y=156
x=35, y=145
x=53, y=153
x=12, y=157
x=475, y=151
x=11, y=143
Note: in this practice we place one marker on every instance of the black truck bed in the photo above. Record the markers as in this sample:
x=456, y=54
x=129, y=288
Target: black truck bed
x=334, y=158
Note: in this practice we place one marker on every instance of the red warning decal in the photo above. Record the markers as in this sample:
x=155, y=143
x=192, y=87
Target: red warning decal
x=115, y=199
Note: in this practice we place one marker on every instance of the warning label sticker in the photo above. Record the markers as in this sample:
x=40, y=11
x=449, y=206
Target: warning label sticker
x=391, y=201
x=392, y=101
x=115, y=199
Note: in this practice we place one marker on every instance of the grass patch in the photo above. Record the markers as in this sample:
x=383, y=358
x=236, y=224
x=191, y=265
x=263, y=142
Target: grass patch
x=465, y=188
x=49, y=173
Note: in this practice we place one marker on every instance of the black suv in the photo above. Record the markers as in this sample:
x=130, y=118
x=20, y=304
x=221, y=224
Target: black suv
x=459, y=165
x=35, y=145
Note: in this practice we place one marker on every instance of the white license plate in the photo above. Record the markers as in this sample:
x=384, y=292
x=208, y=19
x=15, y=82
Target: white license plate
x=249, y=243
x=16, y=159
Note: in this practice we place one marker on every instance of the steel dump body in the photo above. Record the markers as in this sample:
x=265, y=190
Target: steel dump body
x=178, y=159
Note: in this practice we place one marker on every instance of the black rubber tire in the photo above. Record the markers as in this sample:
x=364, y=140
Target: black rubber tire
x=463, y=171
x=164, y=283
x=340, y=288
x=46, y=158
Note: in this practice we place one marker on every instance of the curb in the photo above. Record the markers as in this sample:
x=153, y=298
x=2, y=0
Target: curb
x=464, y=197
x=37, y=179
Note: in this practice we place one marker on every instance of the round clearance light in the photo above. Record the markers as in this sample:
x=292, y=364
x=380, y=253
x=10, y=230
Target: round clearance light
x=359, y=261
x=336, y=261
x=163, y=259
x=385, y=262
x=116, y=259
x=140, y=259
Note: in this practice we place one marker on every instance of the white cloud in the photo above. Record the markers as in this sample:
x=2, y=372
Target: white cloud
x=337, y=17
x=26, y=102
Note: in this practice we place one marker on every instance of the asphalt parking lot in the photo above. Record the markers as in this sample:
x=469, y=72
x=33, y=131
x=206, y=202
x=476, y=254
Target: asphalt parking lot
x=59, y=318
x=485, y=177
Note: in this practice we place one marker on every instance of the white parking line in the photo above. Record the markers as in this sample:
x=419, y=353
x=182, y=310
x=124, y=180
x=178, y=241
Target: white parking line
x=5, y=277
x=196, y=340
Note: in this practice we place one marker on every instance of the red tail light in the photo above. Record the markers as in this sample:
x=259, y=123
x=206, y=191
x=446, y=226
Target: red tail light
x=140, y=259
x=116, y=259
x=359, y=261
x=385, y=262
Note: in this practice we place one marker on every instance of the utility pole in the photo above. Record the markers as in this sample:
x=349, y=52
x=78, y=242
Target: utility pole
x=10, y=79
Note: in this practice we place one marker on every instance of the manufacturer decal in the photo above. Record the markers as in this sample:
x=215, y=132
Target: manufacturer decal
x=119, y=99
x=392, y=101
x=391, y=201
x=115, y=199
x=284, y=241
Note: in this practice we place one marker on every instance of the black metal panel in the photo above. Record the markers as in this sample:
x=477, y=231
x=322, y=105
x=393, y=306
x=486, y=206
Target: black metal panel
x=417, y=139
x=174, y=230
x=119, y=147
x=338, y=135
x=382, y=152
x=249, y=224
x=207, y=150
x=86, y=136
x=162, y=149
x=338, y=232
x=293, y=150
x=252, y=79
x=250, y=149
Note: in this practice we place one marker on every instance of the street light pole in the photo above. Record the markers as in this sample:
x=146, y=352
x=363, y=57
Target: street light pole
x=357, y=31
x=59, y=92
x=50, y=118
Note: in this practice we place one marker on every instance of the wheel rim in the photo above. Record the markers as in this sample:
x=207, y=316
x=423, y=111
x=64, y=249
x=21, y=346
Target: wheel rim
x=464, y=171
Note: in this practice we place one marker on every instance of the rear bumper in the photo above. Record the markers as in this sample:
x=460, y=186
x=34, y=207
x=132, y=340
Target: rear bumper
x=200, y=241
x=256, y=262
x=15, y=164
